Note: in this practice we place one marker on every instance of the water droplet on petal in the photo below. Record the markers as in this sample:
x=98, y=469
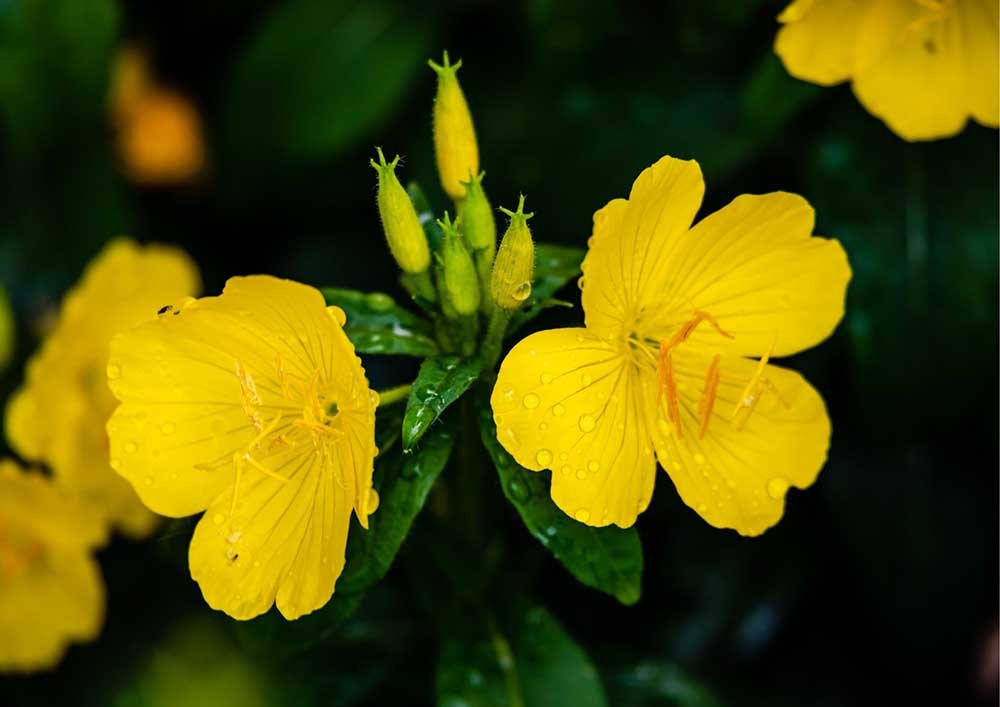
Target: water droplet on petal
x=587, y=423
x=699, y=458
x=546, y=378
x=558, y=410
x=580, y=283
x=373, y=398
x=582, y=515
x=777, y=487
x=544, y=457
x=581, y=474
x=114, y=371
x=531, y=401
x=338, y=315
x=593, y=465
x=371, y=503
x=702, y=508
x=218, y=519
x=116, y=464
x=148, y=481
x=566, y=470
x=168, y=428
x=130, y=447
x=586, y=380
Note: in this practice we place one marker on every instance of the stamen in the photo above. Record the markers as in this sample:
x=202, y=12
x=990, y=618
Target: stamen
x=249, y=398
x=264, y=470
x=754, y=388
x=707, y=401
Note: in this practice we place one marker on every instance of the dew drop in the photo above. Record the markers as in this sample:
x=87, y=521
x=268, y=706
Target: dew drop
x=371, y=503
x=168, y=428
x=777, y=487
x=379, y=301
x=531, y=401
x=558, y=410
x=373, y=398
x=582, y=515
x=544, y=457
x=566, y=470
x=702, y=508
x=218, y=519
x=148, y=481
x=580, y=283
x=546, y=378
x=338, y=315
x=586, y=380
x=563, y=456
x=130, y=447
x=522, y=291
x=593, y=465
x=114, y=371
x=699, y=458
x=543, y=426
x=581, y=474
x=116, y=464
x=587, y=423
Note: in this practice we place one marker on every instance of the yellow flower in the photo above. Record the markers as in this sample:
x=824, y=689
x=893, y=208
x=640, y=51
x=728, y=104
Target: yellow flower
x=58, y=415
x=922, y=66
x=51, y=592
x=672, y=315
x=250, y=406
x=159, y=130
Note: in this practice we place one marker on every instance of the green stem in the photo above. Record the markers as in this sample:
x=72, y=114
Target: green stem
x=490, y=351
x=420, y=283
x=505, y=659
x=394, y=395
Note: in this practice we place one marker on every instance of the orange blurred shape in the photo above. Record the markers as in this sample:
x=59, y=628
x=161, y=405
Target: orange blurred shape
x=159, y=131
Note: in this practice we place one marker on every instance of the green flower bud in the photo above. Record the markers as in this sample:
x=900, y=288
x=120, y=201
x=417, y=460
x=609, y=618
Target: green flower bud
x=477, y=216
x=403, y=231
x=514, y=266
x=454, y=136
x=461, y=284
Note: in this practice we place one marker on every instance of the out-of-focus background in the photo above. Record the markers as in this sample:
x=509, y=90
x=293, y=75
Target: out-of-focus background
x=879, y=586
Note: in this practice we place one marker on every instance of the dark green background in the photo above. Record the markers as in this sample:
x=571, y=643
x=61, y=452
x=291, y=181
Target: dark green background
x=879, y=586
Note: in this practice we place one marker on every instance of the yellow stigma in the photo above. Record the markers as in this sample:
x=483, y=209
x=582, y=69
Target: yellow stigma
x=454, y=135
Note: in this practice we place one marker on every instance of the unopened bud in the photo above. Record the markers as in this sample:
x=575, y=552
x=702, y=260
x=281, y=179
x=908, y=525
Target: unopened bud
x=406, y=238
x=514, y=266
x=460, y=282
x=477, y=216
x=454, y=136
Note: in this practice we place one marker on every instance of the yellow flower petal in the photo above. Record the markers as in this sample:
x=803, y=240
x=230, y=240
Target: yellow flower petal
x=58, y=415
x=910, y=69
x=253, y=405
x=817, y=40
x=981, y=39
x=285, y=541
x=51, y=592
x=567, y=400
x=737, y=475
x=634, y=250
x=755, y=268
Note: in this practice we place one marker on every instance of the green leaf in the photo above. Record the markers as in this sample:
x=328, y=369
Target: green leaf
x=377, y=325
x=554, y=266
x=656, y=681
x=440, y=382
x=524, y=659
x=317, y=77
x=406, y=480
x=403, y=483
x=608, y=559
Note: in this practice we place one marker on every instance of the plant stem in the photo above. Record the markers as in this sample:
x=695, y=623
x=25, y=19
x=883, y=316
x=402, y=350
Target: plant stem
x=490, y=351
x=394, y=395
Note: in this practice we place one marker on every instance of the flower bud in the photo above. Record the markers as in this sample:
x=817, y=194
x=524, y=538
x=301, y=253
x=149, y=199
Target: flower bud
x=460, y=282
x=477, y=216
x=407, y=241
x=454, y=136
x=514, y=266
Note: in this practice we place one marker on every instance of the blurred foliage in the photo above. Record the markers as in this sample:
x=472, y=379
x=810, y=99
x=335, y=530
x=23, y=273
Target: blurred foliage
x=879, y=586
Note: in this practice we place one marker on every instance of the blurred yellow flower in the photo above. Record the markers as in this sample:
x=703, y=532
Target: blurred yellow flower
x=51, y=591
x=673, y=313
x=922, y=66
x=159, y=130
x=253, y=407
x=58, y=415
